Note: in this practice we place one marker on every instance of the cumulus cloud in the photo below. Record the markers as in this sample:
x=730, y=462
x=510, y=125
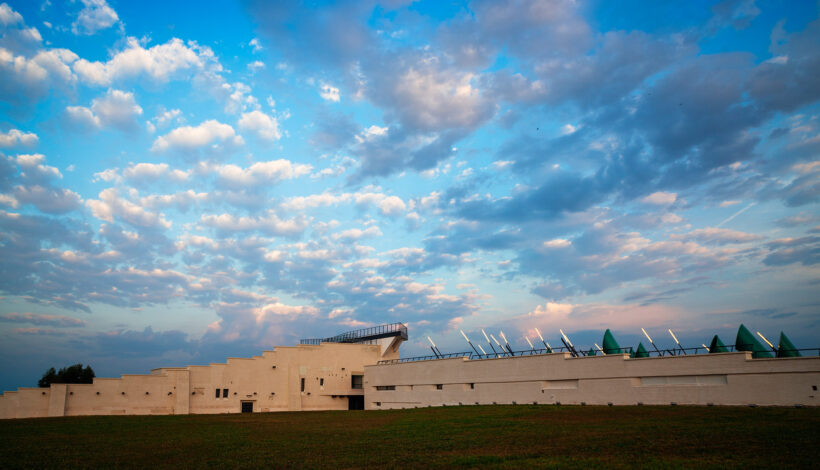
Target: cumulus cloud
x=116, y=108
x=260, y=173
x=95, y=15
x=150, y=172
x=660, y=198
x=161, y=62
x=269, y=223
x=111, y=205
x=49, y=199
x=265, y=127
x=27, y=79
x=210, y=133
x=8, y=16
x=14, y=138
x=329, y=93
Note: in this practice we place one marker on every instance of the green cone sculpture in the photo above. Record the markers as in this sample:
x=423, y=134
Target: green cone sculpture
x=610, y=345
x=717, y=346
x=747, y=342
x=785, y=348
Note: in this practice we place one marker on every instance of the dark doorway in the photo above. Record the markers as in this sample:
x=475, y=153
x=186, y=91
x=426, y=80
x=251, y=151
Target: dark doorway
x=355, y=402
x=247, y=407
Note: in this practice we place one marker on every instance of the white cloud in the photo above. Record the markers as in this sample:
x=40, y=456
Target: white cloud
x=109, y=175
x=117, y=108
x=355, y=233
x=31, y=77
x=270, y=223
x=190, y=138
x=567, y=129
x=15, y=137
x=268, y=172
x=164, y=118
x=34, y=168
x=95, y=15
x=329, y=93
x=256, y=65
x=111, y=205
x=433, y=98
x=148, y=172
x=8, y=16
x=280, y=309
x=82, y=117
x=264, y=126
x=48, y=198
x=557, y=243
x=160, y=62
x=660, y=198
x=392, y=205
x=256, y=45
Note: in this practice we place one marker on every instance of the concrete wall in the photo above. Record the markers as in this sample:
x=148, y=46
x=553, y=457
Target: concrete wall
x=721, y=379
x=271, y=382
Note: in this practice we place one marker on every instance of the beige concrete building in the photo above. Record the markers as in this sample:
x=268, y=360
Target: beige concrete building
x=362, y=370
x=732, y=378
x=323, y=376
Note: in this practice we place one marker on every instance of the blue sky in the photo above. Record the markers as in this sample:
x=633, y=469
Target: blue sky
x=183, y=182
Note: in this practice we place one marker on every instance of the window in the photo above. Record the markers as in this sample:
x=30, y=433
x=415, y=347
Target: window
x=439, y=387
x=356, y=382
x=217, y=393
x=321, y=382
x=224, y=393
x=385, y=387
x=472, y=386
x=303, y=385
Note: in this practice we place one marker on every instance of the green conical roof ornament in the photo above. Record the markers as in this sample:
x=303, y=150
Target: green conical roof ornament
x=610, y=345
x=592, y=352
x=640, y=352
x=785, y=348
x=747, y=342
x=717, y=346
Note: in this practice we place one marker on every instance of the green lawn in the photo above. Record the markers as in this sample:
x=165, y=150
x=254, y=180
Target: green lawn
x=523, y=436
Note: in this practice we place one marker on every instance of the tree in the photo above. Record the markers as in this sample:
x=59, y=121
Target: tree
x=75, y=374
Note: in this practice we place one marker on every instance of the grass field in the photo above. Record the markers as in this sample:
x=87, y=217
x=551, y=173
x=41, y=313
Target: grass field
x=522, y=436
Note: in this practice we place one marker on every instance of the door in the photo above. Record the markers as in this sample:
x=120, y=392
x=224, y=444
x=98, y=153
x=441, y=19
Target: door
x=355, y=402
x=247, y=407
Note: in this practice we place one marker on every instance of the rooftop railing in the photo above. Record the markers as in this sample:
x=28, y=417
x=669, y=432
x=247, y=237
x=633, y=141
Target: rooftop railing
x=364, y=335
x=538, y=352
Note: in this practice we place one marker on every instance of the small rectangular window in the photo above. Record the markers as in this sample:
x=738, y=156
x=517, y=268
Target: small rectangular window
x=439, y=387
x=356, y=382
x=217, y=393
x=321, y=382
x=303, y=384
x=385, y=387
x=224, y=393
x=472, y=386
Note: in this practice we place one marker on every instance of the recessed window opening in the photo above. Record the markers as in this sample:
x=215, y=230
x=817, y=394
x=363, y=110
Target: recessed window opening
x=472, y=386
x=356, y=382
x=321, y=382
x=385, y=387
x=224, y=393
x=303, y=384
x=217, y=393
x=439, y=386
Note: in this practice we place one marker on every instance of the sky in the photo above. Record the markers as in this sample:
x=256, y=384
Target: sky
x=182, y=182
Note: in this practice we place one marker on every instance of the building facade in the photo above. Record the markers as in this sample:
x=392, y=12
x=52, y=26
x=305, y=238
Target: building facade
x=732, y=378
x=362, y=370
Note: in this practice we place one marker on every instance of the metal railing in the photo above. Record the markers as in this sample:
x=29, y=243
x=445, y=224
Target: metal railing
x=538, y=352
x=363, y=335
